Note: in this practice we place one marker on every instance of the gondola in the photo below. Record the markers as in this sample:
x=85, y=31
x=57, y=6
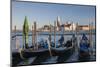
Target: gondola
x=84, y=53
x=63, y=48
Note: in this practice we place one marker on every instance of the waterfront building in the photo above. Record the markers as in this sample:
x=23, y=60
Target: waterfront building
x=83, y=27
x=69, y=26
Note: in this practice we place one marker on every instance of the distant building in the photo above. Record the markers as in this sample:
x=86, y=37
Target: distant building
x=69, y=26
x=83, y=27
x=46, y=28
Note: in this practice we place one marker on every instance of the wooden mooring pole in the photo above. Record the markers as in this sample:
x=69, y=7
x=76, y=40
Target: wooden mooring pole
x=34, y=36
x=55, y=34
x=72, y=33
x=17, y=43
x=90, y=37
x=77, y=38
x=15, y=30
x=50, y=41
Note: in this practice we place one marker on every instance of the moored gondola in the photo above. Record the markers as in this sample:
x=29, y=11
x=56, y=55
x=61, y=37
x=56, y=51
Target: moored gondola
x=84, y=49
x=64, y=48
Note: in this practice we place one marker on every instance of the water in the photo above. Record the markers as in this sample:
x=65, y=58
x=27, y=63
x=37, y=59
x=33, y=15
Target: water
x=27, y=61
x=45, y=37
x=52, y=59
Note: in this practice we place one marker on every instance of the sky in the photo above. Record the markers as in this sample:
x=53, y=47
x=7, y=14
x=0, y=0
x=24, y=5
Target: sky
x=45, y=13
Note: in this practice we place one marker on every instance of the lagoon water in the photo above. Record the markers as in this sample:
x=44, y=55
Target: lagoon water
x=45, y=37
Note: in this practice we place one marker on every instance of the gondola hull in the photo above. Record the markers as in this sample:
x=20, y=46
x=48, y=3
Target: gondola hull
x=62, y=51
x=16, y=56
x=84, y=53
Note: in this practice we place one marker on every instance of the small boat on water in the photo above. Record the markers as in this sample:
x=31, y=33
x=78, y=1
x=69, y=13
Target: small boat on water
x=21, y=54
x=84, y=47
x=64, y=48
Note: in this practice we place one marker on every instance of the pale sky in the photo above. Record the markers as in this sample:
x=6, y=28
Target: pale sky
x=45, y=13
